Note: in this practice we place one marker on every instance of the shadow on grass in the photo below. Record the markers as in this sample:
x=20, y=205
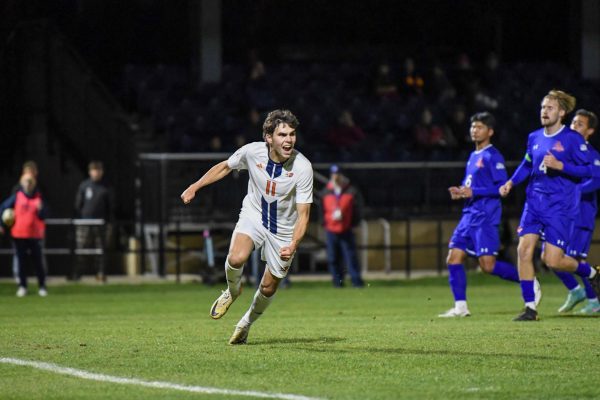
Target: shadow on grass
x=512, y=313
x=319, y=341
x=423, y=352
x=561, y=316
x=298, y=340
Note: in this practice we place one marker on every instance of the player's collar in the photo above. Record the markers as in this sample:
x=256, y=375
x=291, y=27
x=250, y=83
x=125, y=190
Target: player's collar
x=273, y=161
x=555, y=133
x=480, y=150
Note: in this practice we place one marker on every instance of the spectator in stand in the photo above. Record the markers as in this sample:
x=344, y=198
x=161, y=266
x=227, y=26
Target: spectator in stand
x=257, y=87
x=251, y=125
x=346, y=135
x=342, y=210
x=215, y=145
x=463, y=74
x=412, y=81
x=28, y=230
x=458, y=124
x=491, y=73
x=94, y=200
x=384, y=85
x=429, y=136
x=481, y=98
x=239, y=140
x=438, y=82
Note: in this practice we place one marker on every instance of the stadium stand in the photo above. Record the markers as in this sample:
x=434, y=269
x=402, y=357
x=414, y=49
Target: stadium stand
x=162, y=97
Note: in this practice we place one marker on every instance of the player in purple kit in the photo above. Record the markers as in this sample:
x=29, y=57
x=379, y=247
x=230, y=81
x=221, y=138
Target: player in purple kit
x=555, y=162
x=584, y=123
x=477, y=232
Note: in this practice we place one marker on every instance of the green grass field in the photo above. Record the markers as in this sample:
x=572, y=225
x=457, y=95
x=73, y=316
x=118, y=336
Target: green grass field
x=382, y=342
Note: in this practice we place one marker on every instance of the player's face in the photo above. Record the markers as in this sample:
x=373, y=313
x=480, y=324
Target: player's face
x=550, y=113
x=96, y=174
x=28, y=184
x=480, y=133
x=281, y=142
x=581, y=124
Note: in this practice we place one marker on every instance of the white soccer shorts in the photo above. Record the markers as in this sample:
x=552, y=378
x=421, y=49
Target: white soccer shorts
x=269, y=243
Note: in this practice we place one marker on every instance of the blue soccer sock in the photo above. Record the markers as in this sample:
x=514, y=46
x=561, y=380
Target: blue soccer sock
x=590, y=293
x=584, y=270
x=506, y=271
x=457, y=277
x=528, y=294
x=567, y=279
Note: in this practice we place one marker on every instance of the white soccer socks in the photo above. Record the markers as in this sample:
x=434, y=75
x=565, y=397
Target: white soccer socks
x=259, y=305
x=234, y=279
x=461, y=305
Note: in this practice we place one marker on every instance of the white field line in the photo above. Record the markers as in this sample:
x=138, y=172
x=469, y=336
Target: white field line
x=78, y=373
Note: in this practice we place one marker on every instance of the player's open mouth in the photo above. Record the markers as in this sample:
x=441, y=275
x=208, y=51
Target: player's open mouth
x=287, y=148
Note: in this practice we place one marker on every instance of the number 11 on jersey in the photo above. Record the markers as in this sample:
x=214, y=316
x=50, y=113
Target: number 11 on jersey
x=271, y=187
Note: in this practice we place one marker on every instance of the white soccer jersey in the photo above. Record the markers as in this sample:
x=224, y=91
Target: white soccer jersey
x=274, y=188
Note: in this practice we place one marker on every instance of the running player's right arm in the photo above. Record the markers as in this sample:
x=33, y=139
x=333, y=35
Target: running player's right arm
x=522, y=172
x=454, y=193
x=216, y=173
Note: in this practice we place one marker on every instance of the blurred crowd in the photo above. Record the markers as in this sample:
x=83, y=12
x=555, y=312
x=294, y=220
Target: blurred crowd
x=409, y=110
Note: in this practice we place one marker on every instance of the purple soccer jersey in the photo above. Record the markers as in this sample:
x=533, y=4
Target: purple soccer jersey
x=581, y=238
x=477, y=231
x=484, y=174
x=589, y=202
x=553, y=196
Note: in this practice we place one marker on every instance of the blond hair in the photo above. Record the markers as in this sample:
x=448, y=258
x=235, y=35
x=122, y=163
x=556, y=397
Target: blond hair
x=565, y=100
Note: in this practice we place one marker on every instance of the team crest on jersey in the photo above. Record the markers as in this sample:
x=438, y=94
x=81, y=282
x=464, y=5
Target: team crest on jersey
x=260, y=166
x=480, y=163
x=558, y=146
x=583, y=147
x=536, y=146
x=500, y=166
x=597, y=162
x=289, y=174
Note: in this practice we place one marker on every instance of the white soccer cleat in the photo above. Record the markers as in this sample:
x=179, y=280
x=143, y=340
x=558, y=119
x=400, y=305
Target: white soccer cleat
x=240, y=335
x=221, y=305
x=537, y=289
x=455, y=312
x=21, y=292
x=43, y=292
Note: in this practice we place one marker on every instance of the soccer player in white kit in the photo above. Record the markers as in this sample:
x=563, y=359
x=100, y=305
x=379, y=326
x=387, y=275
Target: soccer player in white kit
x=274, y=213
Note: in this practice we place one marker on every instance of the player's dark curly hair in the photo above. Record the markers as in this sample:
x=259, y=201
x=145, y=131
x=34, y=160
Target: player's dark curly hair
x=485, y=118
x=592, y=119
x=278, y=117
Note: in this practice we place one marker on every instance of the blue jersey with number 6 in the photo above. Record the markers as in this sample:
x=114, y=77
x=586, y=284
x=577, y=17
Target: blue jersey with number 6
x=484, y=174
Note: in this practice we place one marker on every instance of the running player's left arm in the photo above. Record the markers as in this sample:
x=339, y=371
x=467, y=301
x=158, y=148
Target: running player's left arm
x=304, y=197
x=578, y=166
x=593, y=184
x=288, y=251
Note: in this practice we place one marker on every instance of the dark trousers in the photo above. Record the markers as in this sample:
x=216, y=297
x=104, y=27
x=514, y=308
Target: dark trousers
x=33, y=248
x=343, y=245
x=89, y=237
